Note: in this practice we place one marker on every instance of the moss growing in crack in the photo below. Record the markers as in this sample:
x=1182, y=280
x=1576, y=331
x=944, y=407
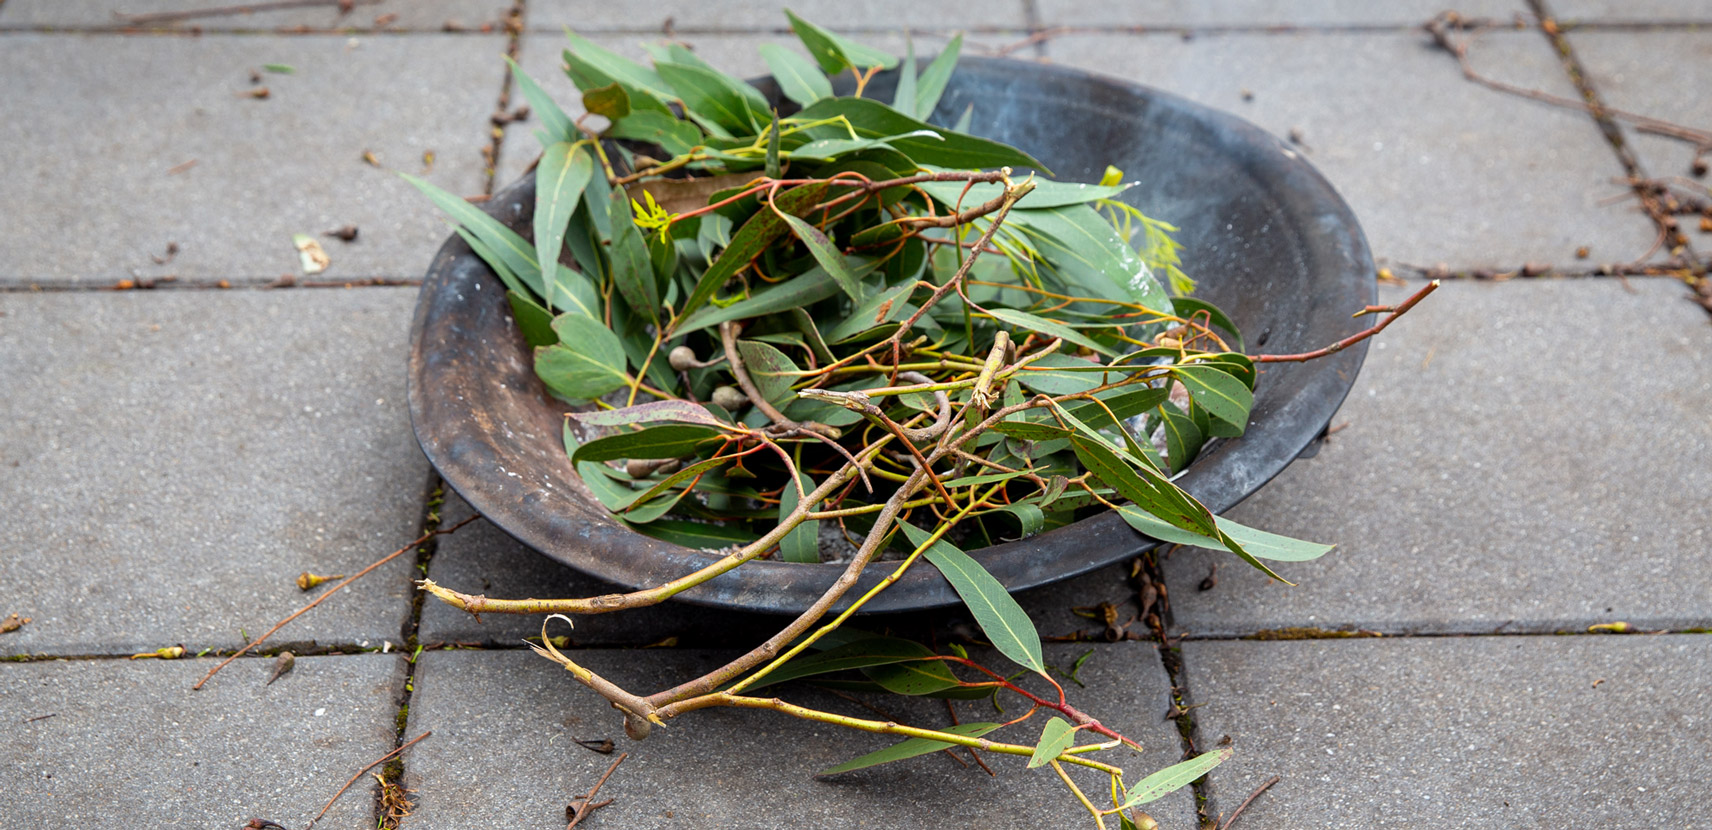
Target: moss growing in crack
x=1302, y=633
x=402, y=718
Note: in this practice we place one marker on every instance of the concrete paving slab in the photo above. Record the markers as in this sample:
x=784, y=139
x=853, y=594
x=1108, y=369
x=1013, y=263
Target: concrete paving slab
x=1660, y=73
x=388, y=15
x=174, y=459
x=482, y=559
x=116, y=146
x=1527, y=456
x=1262, y=13
x=1483, y=732
x=1604, y=12
x=1438, y=169
x=104, y=743
x=539, y=56
x=690, y=16
x=503, y=753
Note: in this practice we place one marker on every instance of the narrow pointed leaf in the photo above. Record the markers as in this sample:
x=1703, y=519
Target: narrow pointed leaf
x=914, y=679
x=556, y=126
x=866, y=652
x=632, y=268
x=649, y=413
x=910, y=748
x=600, y=66
x=664, y=441
x=1174, y=777
x=802, y=544
x=505, y=244
x=1185, y=307
x=772, y=168
x=798, y=77
x=827, y=255
x=748, y=242
x=696, y=535
x=497, y=263
x=560, y=178
x=1183, y=437
x=811, y=286
x=1148, y=489
x=1029, y=323
x=1055, y=737
x=921, y=142
x=535, y=322
x=734, y=104
x=999, y=615
x=903, y=100
x=1257, y=542
x=931, y=85
x=833, y=52
x=674, y=135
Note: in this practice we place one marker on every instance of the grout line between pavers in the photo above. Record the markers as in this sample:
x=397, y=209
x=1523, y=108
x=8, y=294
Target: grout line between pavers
x=393, y=771
x=1274, y=635
x=1577, y=71
x=1171, y=660
x=499, y=122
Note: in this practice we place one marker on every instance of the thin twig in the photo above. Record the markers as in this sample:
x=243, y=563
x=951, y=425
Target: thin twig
x=1251, y=797
x=383, y=759
x=224, y=11
x=330, y=591
x=1402, y=308
x=588, y=800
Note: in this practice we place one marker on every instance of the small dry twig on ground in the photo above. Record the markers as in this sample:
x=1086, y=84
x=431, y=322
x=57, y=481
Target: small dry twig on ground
x=331, y=591
x=1251, y=796
x=226, y=11
x=383, y=759
x=588, y=803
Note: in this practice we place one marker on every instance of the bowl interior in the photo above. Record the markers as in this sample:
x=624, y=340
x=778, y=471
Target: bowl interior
x=1265, y=236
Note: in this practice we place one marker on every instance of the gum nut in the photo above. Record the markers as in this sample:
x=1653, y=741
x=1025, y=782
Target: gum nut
x=682, y=358
x=730, y=398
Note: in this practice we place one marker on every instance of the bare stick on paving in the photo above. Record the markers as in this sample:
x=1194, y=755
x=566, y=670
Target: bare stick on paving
x=330, y=591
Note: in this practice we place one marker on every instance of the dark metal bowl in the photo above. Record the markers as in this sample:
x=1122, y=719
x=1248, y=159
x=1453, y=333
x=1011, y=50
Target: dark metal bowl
x=1267, y=237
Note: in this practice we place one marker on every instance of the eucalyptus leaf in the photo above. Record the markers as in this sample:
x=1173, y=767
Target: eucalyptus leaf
x=1223, y=396
x=1055, y=737
x=663, y=441
x=556, y=126
x=1258, y=543
x=1000, y=617
x=798, y=77
x=931, y=85
x=696, y=535
x=802, y=544
x=827, y=254
x=586, y=363
x=560, y=178
x=632, y=267
x=862, y=653
x=910, y=748
x=922, y=142
x=676, y=136
x=770, y=369
x=1026, y=322
x=835, y=53
x=1174, y=777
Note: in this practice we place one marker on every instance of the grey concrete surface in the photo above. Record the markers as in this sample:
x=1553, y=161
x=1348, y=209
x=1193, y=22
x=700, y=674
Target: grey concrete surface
x=431, y=15
x=103, y=743
x=1263, y=13
x=1485, y=732
x=1651, y=80
x=1505, y=464
x=732, y=768
x=1437, y=168
x=97, y=124
x=1604, y=12
x=172, y=460
x=689, y=16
